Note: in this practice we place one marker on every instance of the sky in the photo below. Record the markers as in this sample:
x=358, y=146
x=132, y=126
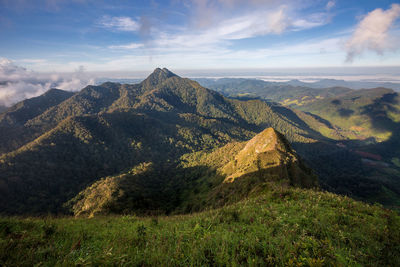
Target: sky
x=100, y=35
x=118, y=36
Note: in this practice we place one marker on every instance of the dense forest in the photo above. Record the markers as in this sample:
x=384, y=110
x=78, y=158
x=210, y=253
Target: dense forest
x=58, y=144
x=364, y=124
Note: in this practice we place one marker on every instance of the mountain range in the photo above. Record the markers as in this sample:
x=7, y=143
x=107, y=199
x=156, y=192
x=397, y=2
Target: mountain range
x=216, y=83
x=367, y=124
x=169, y=145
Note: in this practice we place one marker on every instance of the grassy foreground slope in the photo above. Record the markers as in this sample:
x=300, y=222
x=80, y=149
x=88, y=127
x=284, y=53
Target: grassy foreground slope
x=274, y=226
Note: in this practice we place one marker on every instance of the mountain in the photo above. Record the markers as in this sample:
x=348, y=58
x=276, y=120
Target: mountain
x=268, y=151
x=109, y=129
x=354, y=84
x=231, y=84
x=23, y=111
x=113, y=130
x=291, y=94
x=370, y=120
x=368, y=113
x=13, y=132
x=364, y=163
x=153, y=188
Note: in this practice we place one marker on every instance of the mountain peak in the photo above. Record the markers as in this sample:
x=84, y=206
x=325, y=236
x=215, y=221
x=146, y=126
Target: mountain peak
x=267, y=140
x=269, y=155
x=158, y=76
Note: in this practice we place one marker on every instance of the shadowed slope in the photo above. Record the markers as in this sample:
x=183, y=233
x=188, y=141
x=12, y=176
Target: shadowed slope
x=13, y=131
x=101, y=131
x=197, y=182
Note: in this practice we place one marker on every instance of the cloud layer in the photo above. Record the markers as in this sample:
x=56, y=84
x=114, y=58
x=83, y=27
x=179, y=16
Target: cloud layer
x=211, y=28
x=372, y=33
x=18, y=83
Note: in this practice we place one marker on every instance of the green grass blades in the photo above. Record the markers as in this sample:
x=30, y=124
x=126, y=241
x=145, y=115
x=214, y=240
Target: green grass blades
x=276, y=227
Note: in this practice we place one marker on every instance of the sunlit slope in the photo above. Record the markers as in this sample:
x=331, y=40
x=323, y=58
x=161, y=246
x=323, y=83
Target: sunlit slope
x=372, y=113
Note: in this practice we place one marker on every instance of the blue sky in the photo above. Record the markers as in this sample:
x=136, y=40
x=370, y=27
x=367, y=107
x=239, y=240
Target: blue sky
x=100, y=35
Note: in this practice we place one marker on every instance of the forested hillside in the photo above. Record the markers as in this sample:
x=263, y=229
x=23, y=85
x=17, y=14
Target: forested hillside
x=13, y=132
x=68, y=144
x=108, y=129
x=365, y=160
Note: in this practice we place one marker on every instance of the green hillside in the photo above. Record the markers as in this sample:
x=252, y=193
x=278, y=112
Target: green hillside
x=27, y=109
x=369, y=120
x=369, y=113
x=196, y=182
x=364, y=125
x=108, y=129
x=13, y=132
x=274, y=226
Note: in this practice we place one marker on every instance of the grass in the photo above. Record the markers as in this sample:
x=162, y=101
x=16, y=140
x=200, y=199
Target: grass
x=279, y=227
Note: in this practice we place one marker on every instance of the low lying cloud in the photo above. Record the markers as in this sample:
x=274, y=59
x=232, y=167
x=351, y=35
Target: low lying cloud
x=373, y=33
x=18, y=83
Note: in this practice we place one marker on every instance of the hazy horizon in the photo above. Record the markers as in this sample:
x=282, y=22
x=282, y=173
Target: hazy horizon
x=18, y=83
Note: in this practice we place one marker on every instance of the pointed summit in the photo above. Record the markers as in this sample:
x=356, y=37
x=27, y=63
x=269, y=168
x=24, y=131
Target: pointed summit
x=267, y=140
x=269, y=155
x=157, y=77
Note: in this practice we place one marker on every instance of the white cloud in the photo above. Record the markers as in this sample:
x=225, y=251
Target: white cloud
x=373, y=33
x=262, y=17
x=300, y=55
x=330, y=5
x=206, y=13
x=257, y=23
x=18, y=83
x=312, y=21
x=216, y=24
x=124, y=24
x=212, y=29
x=250, y=25
x=127, y=46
